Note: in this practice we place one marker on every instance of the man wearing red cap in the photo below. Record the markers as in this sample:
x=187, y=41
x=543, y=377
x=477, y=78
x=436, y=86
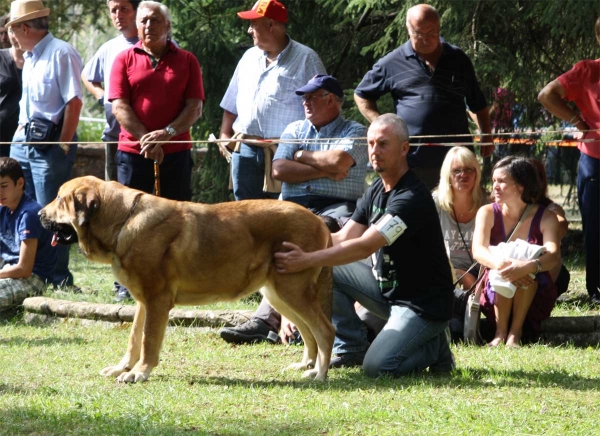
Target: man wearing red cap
x=260, y=100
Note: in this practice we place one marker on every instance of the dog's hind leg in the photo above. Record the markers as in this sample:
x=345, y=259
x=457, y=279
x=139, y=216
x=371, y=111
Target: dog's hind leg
x=318, y=335
x=320, y=325
x=309, y=355
x=324, y=334
x=309, y=303
x=286, y=306
x=325, y=293
x=132, y=355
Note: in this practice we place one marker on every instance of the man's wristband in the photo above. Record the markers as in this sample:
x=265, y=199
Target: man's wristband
x=101, y=101
x=539, y=266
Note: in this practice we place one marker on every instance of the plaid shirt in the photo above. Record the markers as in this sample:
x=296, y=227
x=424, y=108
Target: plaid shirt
x=350, y=188
x=264, y=98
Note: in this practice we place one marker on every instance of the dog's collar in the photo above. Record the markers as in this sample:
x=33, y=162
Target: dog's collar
x=135, y=203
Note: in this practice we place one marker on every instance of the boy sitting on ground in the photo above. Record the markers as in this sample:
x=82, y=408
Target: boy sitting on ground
x=28, y=258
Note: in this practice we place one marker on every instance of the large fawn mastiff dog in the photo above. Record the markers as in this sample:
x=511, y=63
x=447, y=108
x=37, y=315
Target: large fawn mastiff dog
x=167, y=252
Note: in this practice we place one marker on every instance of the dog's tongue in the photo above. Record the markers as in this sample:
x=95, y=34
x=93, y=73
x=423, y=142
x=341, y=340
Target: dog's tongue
x=54, y=242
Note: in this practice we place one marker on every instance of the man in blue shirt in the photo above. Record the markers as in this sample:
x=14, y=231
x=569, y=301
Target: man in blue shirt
x=96, y=78
x=28, y=258
x=324, y=175
x=260, y=101
x=51, y=92
x=430, y=81
x=96, y=73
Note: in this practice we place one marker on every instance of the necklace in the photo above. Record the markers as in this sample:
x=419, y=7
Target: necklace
x=458, y=216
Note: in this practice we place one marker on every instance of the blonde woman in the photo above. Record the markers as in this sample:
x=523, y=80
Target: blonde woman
x=458, y=197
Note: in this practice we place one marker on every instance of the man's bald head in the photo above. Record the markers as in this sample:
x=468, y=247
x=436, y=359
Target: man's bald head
x=423, y=26
x=422, y=13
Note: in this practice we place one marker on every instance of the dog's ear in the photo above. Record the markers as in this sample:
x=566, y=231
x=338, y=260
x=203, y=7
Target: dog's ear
x=86, y=205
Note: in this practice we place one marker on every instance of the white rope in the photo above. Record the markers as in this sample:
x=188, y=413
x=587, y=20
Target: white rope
x=213, y=139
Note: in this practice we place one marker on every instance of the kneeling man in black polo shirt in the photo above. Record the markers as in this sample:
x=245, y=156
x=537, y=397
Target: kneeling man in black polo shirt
x=410, y=283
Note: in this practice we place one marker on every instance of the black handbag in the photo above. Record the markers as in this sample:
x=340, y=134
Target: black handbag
x=39, y=132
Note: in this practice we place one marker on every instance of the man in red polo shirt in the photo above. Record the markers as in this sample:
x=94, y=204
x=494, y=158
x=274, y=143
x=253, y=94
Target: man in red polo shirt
x=157, y=93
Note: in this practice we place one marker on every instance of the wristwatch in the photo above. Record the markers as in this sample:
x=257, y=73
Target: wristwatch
x=170, y=130
x=298, y=154
x=65, y=147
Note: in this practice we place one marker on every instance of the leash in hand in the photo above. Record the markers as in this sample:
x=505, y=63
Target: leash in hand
x=156, y=178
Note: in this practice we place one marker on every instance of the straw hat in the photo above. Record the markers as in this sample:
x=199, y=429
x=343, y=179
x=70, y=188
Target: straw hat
x=25, y=10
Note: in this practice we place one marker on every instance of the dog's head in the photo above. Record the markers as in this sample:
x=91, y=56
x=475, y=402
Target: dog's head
x=77, y=202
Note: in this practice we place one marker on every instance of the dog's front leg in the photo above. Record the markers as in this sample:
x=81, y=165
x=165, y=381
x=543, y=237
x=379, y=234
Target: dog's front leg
x=157, y=317
x=132, y=355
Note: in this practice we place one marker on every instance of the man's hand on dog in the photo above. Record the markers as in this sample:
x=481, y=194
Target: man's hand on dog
x=290, y=259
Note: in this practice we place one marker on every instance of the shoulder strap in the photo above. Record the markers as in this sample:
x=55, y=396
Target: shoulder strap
x=516, y=227
x=461, y=234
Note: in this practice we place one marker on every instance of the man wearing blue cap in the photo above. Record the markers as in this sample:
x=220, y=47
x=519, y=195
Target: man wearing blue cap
x=324, y=175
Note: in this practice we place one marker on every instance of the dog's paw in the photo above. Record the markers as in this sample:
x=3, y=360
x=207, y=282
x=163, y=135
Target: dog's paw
x=313, y=374
x=299, y=366
x=132, y=377
x=310, y=374
x=112, y=371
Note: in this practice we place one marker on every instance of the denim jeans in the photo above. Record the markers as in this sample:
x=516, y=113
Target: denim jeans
x=248, y=173
x=175, y=178
x=45, y=172
x=588, y=194
x=110, y=166
x=407, y=343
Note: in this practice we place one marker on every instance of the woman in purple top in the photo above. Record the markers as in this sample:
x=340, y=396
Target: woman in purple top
x=516, y=191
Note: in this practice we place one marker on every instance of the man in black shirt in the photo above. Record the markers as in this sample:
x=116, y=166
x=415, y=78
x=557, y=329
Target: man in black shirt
x=11, y=65
x=410, y=283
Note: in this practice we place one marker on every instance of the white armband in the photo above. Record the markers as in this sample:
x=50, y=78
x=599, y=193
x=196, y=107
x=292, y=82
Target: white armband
x=390, y=227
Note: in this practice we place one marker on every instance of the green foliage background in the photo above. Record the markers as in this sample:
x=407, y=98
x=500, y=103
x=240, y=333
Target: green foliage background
x=519, y=45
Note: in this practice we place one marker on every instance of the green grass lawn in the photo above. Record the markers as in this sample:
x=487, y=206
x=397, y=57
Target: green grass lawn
x=50, y=385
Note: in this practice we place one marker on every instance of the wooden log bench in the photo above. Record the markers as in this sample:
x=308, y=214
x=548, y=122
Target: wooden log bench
x=581, y=330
